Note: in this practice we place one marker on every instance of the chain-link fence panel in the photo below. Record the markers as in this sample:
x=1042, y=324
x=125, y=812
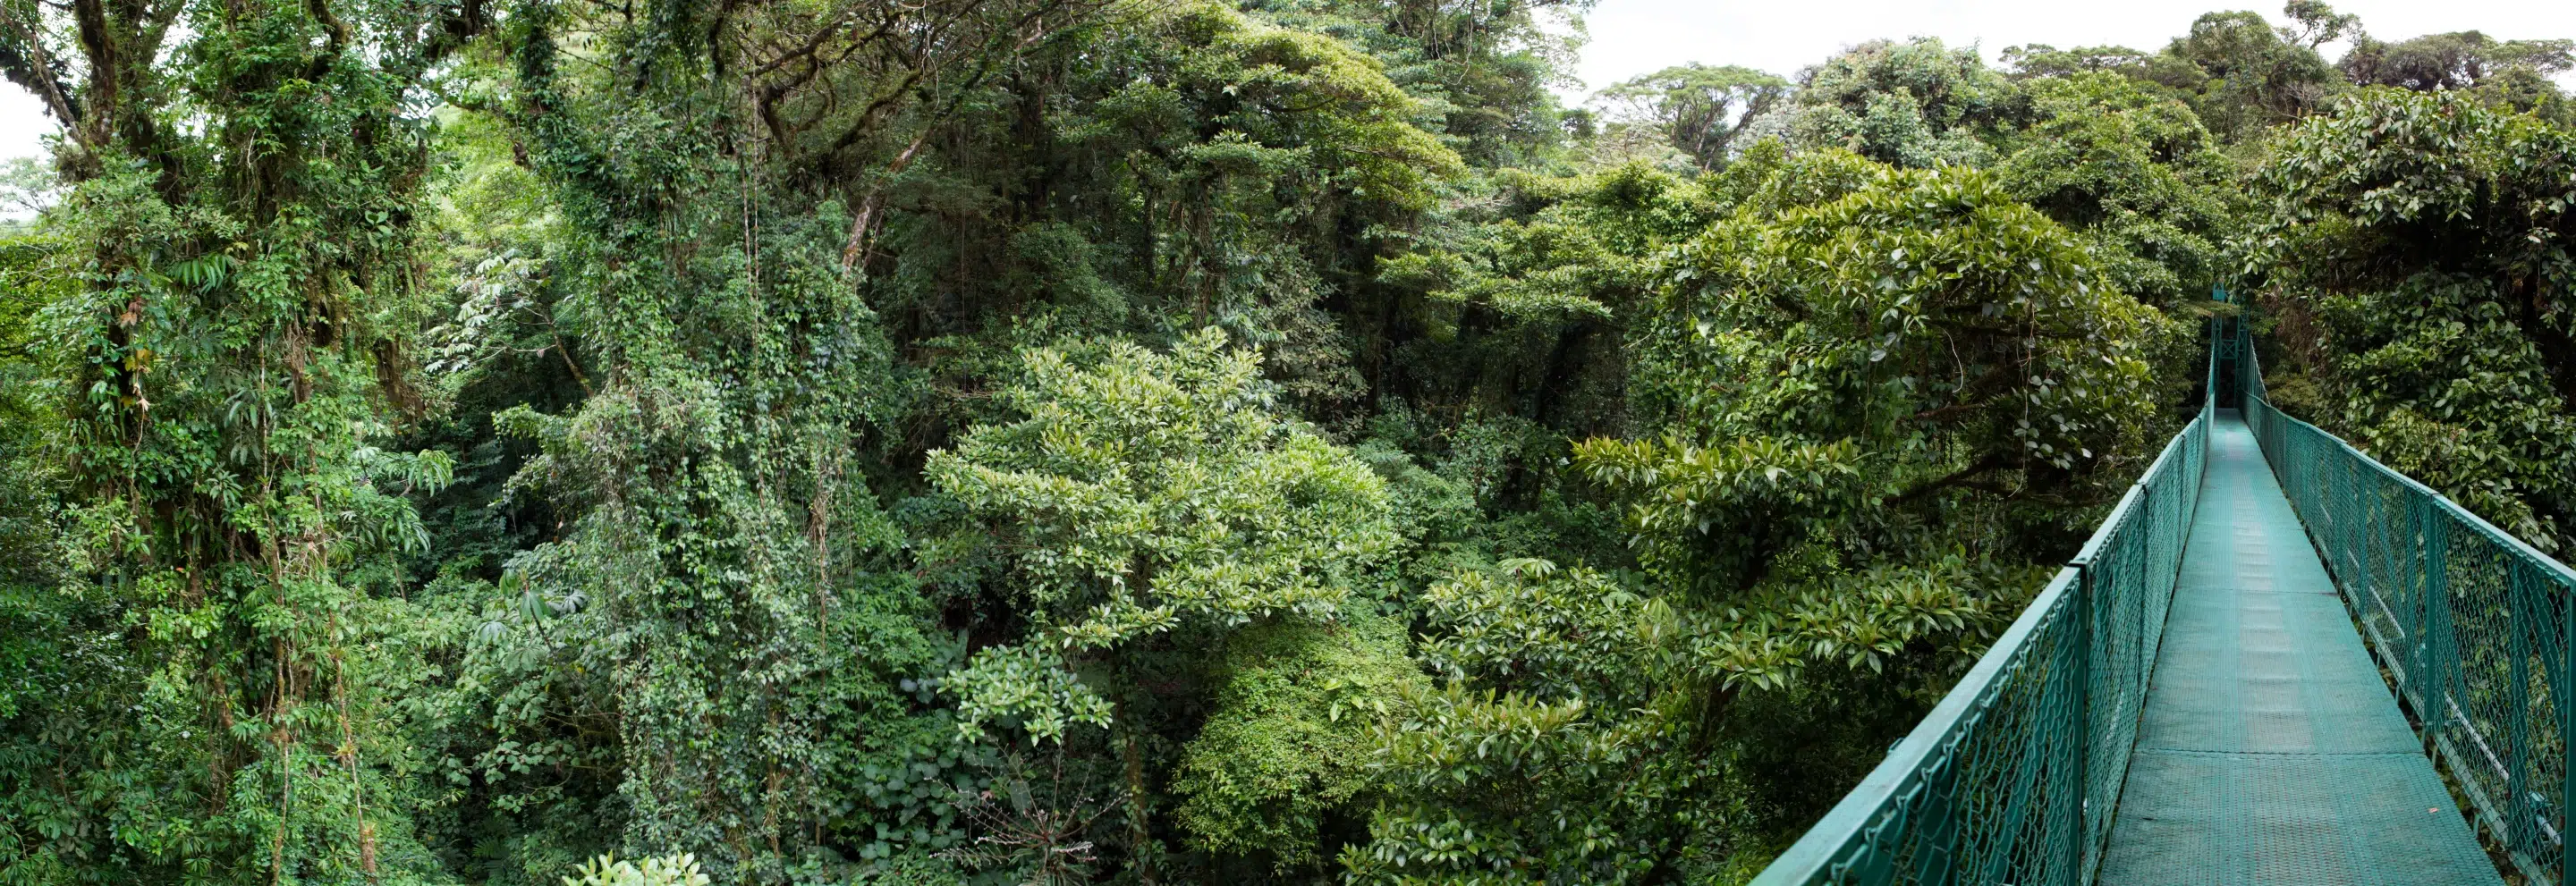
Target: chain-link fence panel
x=2015, y=775
x=2471, y=623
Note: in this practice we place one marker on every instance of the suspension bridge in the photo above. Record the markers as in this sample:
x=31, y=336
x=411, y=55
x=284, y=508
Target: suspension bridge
x=2276, y=662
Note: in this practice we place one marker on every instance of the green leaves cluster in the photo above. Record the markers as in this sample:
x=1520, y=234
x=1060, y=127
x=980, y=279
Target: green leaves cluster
x=1153, y=506
x=1920, y=334
x=1917, y=103
x=2417, y=250
x=1570, y=763
x=1701, y=109
x=670, y=870
x=1291, y=743
x=1149, y=489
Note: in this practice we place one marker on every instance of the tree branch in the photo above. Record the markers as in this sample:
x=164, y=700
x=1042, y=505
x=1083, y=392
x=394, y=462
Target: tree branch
x=1961, y=477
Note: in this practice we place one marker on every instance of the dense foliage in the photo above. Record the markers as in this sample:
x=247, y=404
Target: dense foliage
x=1066, y=441
x=2419, y=248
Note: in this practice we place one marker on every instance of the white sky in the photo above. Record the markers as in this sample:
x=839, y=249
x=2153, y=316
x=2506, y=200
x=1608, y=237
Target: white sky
x=22, y=120
x=1631, y=37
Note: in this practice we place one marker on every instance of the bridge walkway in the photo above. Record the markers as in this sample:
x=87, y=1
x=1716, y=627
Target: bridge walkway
x=2270, y=751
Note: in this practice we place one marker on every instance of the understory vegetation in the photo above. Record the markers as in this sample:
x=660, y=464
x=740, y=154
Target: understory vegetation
x=1143, y=441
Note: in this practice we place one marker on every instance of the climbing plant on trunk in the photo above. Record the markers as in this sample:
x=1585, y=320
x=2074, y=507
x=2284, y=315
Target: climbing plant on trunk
x=243, y=181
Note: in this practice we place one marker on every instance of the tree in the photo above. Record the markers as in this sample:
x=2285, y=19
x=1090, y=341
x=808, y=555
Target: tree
x=1853, y=378
x=230, y=348
x=2413, y=247
x=2135, y=171
x=1797, y=344
x=2513, y=73
x=2042, y=60
x=1289, y=749
x=1154, y=504
x=2459, y=60
x=1482, y=73
x=2243, y=75
x=2317, y=24
x=2086, y=136
x=717, y=644
x=1917, y=104
x=1558, y=749
x=1701, y=109
x=1153, y=493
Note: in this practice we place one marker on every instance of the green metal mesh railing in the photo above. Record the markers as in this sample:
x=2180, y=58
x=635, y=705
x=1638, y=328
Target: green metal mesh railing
x=2471, y=623
x=2013, y=777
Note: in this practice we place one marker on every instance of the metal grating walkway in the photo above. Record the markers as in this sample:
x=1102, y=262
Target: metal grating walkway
x=2270, y=751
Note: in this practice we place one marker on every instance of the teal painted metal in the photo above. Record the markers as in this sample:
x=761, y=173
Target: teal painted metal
x=2270, y=751
x=2014, y=776
x=2474, y=626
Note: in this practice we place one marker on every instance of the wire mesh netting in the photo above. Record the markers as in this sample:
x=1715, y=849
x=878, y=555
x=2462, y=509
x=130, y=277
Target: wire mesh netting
x=2014, y=777
x=2270, y=750
x=2470, y=622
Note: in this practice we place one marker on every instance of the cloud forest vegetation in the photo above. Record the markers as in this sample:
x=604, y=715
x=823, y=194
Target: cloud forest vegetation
x=1143, y=441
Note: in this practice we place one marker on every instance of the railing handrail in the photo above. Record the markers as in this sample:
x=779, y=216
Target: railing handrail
x=2473, y=692
x=1932, y=750
x=1824, y=845
x=2103, y=531
x=2016, y=774
x=2490, y=530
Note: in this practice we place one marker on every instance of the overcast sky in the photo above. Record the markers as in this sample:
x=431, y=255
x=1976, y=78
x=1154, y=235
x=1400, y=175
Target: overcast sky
x=1631, y=37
